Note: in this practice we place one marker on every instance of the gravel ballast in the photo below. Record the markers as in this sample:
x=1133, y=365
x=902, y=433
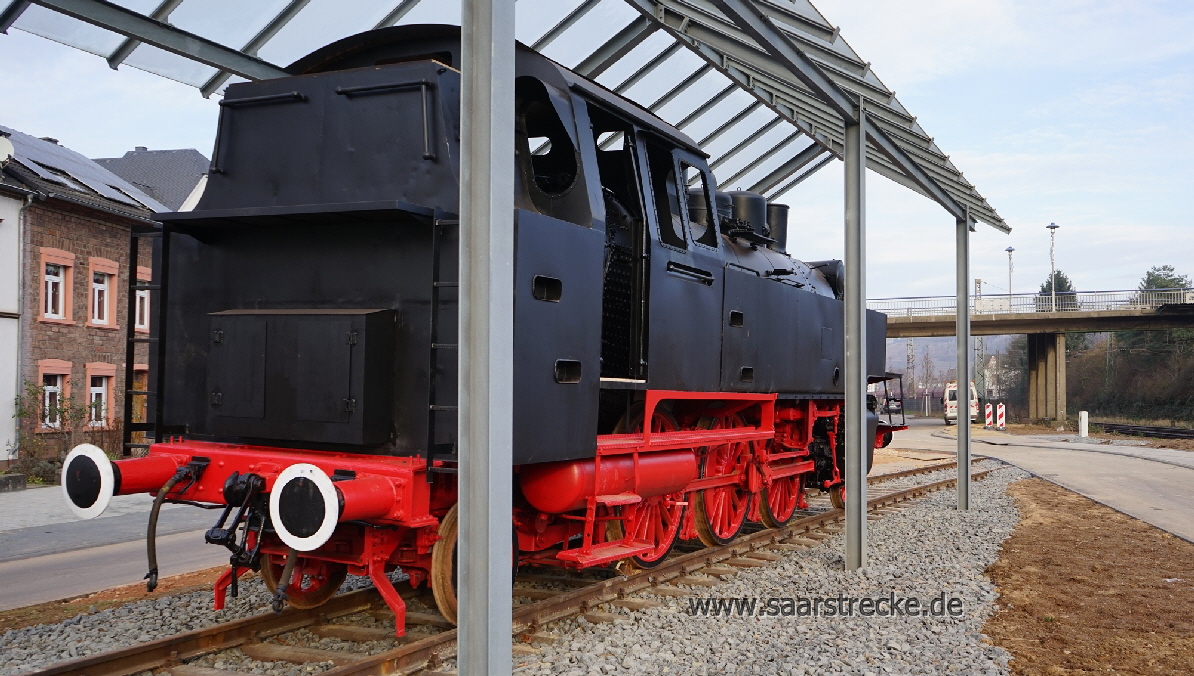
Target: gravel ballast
x=921, y=552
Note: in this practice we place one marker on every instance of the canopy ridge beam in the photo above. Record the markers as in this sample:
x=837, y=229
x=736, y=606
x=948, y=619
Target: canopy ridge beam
x=128, y=23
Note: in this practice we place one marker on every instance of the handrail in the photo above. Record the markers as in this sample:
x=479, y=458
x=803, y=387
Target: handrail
x=1003, y=303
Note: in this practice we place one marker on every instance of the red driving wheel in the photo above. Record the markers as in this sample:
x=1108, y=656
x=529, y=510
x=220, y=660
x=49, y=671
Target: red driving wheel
x=721, y=511
x=781, y=499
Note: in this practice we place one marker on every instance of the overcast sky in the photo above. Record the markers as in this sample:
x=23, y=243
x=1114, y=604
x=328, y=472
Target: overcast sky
x=1067, y=111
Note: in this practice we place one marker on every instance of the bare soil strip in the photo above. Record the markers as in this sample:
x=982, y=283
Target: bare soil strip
x=1085, y=589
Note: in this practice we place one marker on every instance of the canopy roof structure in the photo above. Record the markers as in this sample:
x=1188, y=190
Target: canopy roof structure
x=765, y=86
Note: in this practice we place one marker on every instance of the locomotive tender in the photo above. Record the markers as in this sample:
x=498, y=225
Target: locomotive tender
x=676, y=372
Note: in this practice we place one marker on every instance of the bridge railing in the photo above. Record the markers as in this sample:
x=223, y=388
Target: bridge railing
x=1067, y=301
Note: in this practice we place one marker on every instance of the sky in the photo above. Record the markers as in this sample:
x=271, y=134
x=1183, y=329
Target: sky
x=1067, y=111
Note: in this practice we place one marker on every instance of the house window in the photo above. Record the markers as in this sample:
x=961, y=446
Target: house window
x=100, y=293
x=97, y=401
x=51, y=402
x=55, y=291
x=142, y=310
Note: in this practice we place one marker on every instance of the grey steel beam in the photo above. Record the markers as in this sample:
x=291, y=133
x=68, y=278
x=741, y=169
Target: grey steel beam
x=754, y=164
x=763, y=31
x=648, y=67
x=855, y=341
x=679, y=89
x=122, y=51
x=747, y=16
x=962, y=272
x=616, y=47
x=254, y=45
x=730, y=123
x=564, y=24
x=744, y=143
x=799, y=179
x=117, y=19
x=11, y=13
x=486, y=336
x=396, y=14
x=708, y=105
x=783, y=171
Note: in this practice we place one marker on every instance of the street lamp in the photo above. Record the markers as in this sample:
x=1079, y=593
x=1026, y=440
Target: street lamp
x=1009, y=251
x=1053, y=263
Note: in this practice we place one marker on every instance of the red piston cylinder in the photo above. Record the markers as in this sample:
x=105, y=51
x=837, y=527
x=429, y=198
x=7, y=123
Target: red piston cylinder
x=148, y=474
x=555, y=487
x=366, y=498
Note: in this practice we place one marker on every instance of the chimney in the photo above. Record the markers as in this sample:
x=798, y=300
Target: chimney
x=140, y=149
x=47, y=139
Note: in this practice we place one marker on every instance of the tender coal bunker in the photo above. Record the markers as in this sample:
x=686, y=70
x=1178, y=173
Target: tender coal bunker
x=568, y=371
x=301, y=507
x=547, y=289
x=83, y=482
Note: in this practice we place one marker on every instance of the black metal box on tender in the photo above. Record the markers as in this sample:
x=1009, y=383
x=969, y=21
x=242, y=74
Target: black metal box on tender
x=312, y=375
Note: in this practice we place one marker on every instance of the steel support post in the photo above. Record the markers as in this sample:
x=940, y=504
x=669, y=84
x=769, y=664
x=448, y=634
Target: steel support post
x=963, y=333
x=855, y=292
x=486, y=336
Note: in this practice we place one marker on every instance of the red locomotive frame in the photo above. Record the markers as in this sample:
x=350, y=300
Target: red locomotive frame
x=705, y=464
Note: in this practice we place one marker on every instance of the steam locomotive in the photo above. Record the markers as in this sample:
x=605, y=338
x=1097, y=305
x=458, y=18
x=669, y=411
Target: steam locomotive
x=676, y=372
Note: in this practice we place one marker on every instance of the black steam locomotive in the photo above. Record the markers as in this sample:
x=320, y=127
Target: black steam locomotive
x=676, y=372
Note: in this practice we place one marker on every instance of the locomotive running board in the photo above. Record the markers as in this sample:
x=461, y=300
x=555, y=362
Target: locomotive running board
x=606, y=552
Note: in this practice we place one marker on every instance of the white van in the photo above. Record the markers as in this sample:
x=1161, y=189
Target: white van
x=950, y=402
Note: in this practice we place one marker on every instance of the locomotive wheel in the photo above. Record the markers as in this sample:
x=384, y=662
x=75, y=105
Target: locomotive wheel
x=780, y=500
x=837, y=496
x=313, y=583
x=722, y=511
x=656, y=519
x=443, y=566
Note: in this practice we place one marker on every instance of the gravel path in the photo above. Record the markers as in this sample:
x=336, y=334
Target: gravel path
x=921, y=552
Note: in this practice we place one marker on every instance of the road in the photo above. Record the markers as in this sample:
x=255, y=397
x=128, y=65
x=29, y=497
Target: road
x=1149, y=484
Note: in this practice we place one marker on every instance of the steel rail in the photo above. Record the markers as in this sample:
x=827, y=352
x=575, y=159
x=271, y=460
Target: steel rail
x=171, y=650
x=1146, y=431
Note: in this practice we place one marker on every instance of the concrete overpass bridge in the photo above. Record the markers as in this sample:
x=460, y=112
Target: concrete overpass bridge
x=1045, y=319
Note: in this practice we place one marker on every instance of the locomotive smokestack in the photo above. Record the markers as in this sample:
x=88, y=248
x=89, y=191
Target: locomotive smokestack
x=305, y=504
x=777, y=221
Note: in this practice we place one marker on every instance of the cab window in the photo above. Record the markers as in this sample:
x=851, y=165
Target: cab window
x=669, y=207
x=702, y=214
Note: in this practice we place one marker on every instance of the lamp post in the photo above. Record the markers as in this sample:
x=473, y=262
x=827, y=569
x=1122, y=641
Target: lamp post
x=1053, y=264
x=1009, y=251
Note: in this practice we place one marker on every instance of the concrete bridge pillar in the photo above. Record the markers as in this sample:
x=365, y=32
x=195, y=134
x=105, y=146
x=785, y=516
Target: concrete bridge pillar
x=1046, y=376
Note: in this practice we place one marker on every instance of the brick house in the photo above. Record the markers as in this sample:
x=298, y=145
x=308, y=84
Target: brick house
x=72, y=229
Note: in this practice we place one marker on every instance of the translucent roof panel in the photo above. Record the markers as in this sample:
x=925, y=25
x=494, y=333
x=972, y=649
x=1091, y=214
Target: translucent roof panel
x=730, y=83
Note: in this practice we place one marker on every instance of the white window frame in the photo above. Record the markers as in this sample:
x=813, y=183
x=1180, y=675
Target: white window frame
x=51, y=415
x=55, y=289
x=100, y=298
x=142, y=319
x=97, y=394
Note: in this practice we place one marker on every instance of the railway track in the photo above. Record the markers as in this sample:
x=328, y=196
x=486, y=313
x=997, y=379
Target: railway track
x=1145, y=431
x=550, y=597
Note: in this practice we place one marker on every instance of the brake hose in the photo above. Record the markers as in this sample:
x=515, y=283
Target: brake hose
x=152, y=531
x=284, y=580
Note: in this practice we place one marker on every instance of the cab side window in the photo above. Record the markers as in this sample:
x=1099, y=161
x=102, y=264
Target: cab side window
x=702, y=215
x=669, y=206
